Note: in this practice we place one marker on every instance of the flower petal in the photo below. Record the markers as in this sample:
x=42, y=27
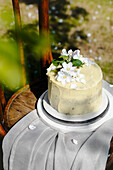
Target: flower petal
x=64, y=65
x=69, y=65
x=70, y=52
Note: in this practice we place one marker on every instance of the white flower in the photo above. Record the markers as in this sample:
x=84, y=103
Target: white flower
x=78, y=71
x=66, y=67
x=87, y=62
x=73, y=73
x=76, y=54
x=63, y=77
x=77, y=79
x=64, y=52
x=68, y=72
x=51, y=68
x=70, y=52
x=73, y=86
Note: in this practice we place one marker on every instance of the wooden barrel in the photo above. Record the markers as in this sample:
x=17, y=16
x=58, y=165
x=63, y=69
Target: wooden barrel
x=23, y=102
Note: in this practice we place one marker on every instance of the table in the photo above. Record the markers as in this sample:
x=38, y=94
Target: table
x=24, y=101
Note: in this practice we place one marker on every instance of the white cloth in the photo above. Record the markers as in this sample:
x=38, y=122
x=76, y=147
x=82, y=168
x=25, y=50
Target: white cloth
x=33, y=145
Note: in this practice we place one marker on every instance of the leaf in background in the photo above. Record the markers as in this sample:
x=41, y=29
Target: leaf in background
x=6, y=17
x=10, y=68
x=42, y=45
x=35, y=43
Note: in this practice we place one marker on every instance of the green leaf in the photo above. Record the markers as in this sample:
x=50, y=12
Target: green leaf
x=77, y=62
x=61, y=62
x=55, y=63
x=64, y=57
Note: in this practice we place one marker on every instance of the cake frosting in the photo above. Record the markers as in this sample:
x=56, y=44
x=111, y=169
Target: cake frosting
x=74, y=84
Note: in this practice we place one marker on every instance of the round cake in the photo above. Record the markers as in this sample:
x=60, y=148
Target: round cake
x=74, y=84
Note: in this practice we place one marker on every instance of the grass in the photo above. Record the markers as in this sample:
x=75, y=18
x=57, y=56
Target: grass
x=100, y=24
x=83, y=24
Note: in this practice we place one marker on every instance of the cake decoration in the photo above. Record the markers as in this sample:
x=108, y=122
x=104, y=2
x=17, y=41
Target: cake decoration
x=67, y=68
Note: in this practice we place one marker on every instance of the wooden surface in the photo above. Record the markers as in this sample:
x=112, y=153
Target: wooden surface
x=24, y=101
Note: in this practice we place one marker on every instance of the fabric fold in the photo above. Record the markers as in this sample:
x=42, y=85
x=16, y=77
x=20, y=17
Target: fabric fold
x=93, y=154
x=39, y=155
x=15, y=131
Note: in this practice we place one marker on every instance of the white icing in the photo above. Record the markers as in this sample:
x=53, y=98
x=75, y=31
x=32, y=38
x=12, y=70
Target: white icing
x=73, y=86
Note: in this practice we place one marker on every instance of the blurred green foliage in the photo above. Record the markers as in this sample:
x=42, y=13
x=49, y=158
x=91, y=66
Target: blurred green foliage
x=6, y=18
x=10, y=65
x=10, y=68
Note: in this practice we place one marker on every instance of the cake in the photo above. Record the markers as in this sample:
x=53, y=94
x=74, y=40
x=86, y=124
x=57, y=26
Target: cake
x=74, y=84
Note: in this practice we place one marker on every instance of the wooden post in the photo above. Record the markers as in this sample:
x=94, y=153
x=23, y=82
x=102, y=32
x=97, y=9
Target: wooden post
x=16, y=10
x=44, y=28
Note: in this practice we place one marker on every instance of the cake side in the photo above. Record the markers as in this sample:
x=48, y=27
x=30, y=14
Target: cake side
x=74, y=102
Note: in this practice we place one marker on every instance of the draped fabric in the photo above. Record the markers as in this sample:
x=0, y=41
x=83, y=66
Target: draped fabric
x=33, y=145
